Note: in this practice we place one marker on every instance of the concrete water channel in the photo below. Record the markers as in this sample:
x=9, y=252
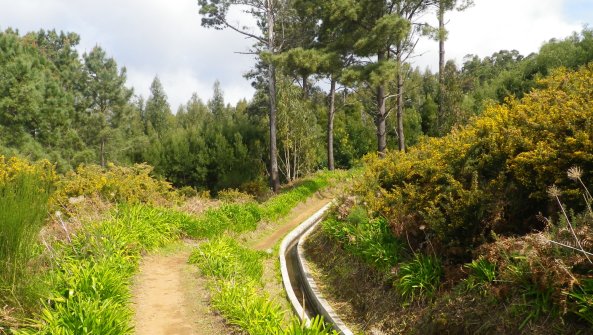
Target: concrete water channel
x=301, y=289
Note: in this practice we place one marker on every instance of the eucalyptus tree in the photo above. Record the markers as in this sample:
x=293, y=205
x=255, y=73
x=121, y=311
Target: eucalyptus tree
x=266, y=12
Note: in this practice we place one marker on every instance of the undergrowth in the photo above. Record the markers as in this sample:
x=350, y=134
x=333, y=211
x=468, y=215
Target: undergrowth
x=237, y=290
x=245, y=215
x=91, y=271
x=24, y=192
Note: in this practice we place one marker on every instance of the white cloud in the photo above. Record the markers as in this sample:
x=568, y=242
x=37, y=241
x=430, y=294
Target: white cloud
x=490, y=26
x=149, y=37
x=164, y=37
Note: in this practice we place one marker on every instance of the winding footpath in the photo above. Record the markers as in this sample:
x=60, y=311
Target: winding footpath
x=170, y=297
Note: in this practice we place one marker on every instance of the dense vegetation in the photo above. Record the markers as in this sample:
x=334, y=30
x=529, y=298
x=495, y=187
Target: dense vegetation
x=79, y=264
x=486, y=199
x=497, y=210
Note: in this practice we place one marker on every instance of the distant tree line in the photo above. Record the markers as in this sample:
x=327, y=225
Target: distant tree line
x=76, y=109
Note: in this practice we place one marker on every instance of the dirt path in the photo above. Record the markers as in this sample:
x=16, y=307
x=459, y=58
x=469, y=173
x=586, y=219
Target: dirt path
x=299, y=214
x=170, y=298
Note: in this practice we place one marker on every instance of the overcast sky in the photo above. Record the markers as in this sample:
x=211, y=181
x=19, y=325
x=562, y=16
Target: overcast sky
x=164, y=37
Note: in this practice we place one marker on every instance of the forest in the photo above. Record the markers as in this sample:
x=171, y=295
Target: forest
x=462, y=195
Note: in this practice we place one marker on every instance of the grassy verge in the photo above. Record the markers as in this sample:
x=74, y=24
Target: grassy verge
x=236, y=271
x=91, y=273
x=237, y=290
x=87, y=272
x=243, y=217
x=539, y=283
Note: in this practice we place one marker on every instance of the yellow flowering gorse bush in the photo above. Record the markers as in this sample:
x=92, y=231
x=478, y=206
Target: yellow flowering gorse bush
x=491, y=175
x=115, y=184
x=14, y=167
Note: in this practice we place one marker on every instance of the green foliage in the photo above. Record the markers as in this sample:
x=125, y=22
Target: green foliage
x=489, y=175
x=582, y=296
x=133, y=184
x=419, y=278
x=536, y=302
x=78, y=315
x=96, y=280
x=237, y=271
x=481, y=272
x=244, y=307
x=282, y=203
x=316, y=326
x=369, y=239
x=228, y=217
x=224, y=258
x=90, y=279
x=246, y=215
x=24, y=192
x=299, y=134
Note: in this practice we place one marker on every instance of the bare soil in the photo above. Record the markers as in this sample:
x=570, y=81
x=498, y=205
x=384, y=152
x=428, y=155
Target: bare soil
x=170, y=298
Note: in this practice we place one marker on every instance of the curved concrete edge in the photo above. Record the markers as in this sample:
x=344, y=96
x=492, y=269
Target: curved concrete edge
x=329, y=315
x=286, y=242
x=301, y=233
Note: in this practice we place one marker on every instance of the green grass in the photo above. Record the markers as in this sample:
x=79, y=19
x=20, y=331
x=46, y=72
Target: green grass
x=244, y=217
x=92, y=274
x=236, y=271
x=369, y=239
x=419, y=278
x=224, y=258
x=582, y=297
x=23, y=209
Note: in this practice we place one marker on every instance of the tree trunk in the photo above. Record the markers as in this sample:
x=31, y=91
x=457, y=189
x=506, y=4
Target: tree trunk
x=274, y=180
x=102, y=153
x=305, y=88
x=400, y=105
x=380, y=121
x=440, y=112
x=381, y=114
x=330, y=125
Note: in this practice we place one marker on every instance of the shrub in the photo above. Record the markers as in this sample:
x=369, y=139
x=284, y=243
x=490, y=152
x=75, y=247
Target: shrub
x=490, y=175
x=234, y=195
x=419, y=278
x=114, y=183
